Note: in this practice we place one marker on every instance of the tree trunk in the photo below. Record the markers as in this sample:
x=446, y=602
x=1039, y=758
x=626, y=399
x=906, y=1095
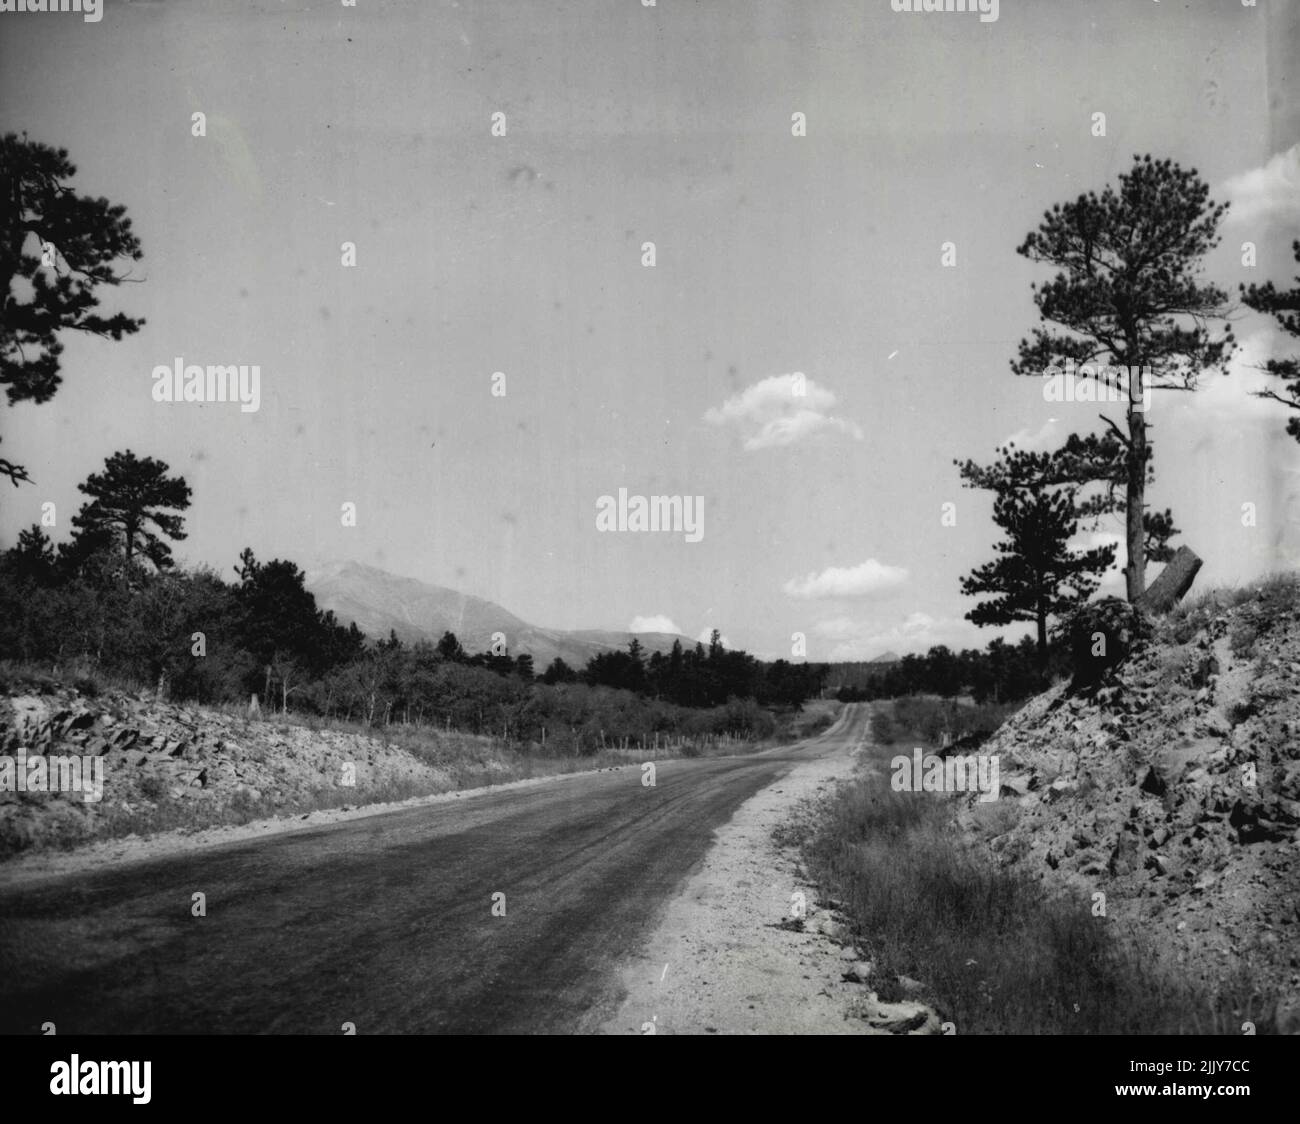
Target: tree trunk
x=1135, y=505
x=1174, y=581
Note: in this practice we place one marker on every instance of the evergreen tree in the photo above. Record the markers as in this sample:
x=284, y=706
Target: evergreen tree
x=1285, y=308
x=449, y=649
x=133, y=503
x=1036, y=575
x=1128, y=295
x=61, y=248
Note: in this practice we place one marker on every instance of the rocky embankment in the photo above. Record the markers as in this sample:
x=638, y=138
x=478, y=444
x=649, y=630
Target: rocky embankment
x=167, y=766
x=1172, y=786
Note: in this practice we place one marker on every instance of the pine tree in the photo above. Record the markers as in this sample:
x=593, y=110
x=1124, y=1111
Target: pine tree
x=1285, y=308
x=61, y=248
x=129, y=498
x=1037, y=575
x=1128, y=296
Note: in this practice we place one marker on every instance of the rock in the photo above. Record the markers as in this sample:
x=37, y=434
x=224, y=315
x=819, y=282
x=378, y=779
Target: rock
x=1060, y=788
x=1204, y=670
x=910, y=987
x=859, y=972
x=827, y=925
x=1216, y=725
x=1159, y=863
x=907, y=1017
x=1123, y=855
x=1153, y=783
x=1014, y=786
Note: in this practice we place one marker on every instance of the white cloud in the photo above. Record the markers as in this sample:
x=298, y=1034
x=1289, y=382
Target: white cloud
x=870, y=579
x=1230, y=398
x=1046, y=437
x=1270, y=192
x=779, y=411
x=1112, y=580
x=652, y=624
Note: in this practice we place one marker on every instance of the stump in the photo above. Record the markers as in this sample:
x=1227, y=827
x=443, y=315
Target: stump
x=1174, y=581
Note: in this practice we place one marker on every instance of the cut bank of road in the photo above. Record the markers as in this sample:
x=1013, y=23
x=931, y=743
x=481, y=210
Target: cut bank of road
x=385, y=922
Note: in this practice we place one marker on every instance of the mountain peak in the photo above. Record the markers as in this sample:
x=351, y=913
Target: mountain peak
x=379, y=602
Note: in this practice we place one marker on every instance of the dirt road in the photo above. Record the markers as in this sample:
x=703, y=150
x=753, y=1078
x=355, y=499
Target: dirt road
x=387, y=922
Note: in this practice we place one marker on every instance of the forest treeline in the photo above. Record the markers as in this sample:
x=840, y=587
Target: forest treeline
x=1001, y=673
x=95, y=603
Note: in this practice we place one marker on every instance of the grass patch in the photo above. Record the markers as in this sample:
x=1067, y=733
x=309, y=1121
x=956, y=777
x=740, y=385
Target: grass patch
x=1267, y=599
x=924, y=719
x=997, y=952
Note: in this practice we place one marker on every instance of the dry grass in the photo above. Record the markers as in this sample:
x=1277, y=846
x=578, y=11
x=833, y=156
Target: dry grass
x=999, y=955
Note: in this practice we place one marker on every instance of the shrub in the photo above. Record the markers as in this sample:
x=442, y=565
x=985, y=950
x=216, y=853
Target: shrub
x=1101, y=635
x=1242, y=637
x=153, y=787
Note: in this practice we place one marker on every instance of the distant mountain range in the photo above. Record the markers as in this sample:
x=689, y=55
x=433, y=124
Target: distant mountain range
x=380, y=602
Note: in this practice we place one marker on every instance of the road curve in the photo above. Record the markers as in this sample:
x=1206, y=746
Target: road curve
x=385, y=922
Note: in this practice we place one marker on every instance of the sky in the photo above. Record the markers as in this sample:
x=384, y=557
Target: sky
x=798, y=356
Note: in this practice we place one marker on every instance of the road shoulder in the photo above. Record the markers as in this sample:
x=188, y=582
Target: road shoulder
x=718, y=962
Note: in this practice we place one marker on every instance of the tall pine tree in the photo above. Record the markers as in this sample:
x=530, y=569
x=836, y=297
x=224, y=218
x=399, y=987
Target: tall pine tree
x=1128, y=295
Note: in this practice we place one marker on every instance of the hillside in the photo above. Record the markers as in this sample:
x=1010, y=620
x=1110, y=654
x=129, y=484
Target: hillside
x=380, y=602
x=1173, y=788
x=165, y=765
